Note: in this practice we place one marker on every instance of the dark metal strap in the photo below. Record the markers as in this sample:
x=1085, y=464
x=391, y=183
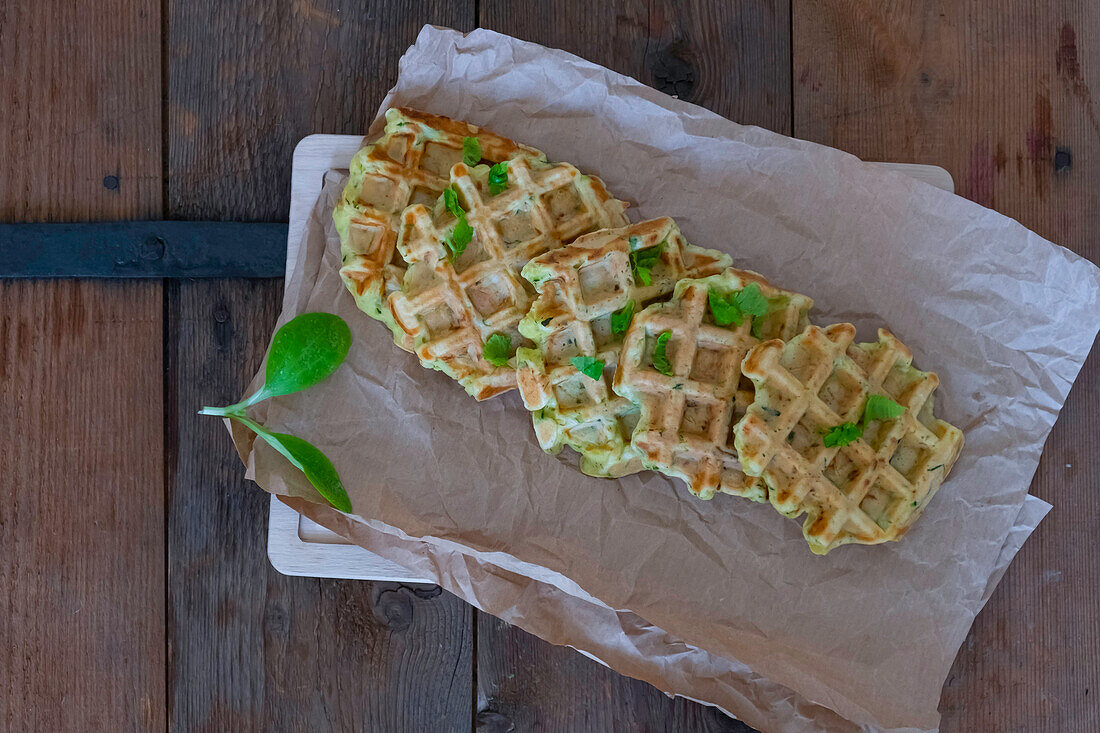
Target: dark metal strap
x=143, y=249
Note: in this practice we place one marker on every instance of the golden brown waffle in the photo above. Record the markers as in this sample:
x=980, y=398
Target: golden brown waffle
x=684, y=425
x=580, y=287
x=872, y=489
x=411, y=163
x=447, y=310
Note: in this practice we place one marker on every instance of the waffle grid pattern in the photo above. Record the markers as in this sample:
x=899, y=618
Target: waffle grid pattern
x=409, y=164
x=446, y=309
x=871, y=490
x=580, y=287
x=684, y=426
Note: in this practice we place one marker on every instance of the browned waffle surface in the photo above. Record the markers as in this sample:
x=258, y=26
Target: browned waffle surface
x=409, y=164
x=588, y=292
x=870, y=490
x=683, y=370
x=449, y=306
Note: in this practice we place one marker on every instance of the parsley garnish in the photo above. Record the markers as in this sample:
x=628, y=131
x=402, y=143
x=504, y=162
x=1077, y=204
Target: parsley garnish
x=751, y=301
x=471, y=151
x=877, y=408
x=881, y=408
x=498, y=177
x=842, y=435
x=460, y=237
x=497, y=347
x=660, y=358
x=732, y=308
x=642, y=262
x=588, y=366
x=723, y=309
x=620, y=319
x=450, y=200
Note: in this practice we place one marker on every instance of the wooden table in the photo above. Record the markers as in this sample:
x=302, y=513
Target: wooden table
x=137, y=592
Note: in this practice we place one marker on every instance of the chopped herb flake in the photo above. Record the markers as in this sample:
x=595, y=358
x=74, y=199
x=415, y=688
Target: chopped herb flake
x=660, y=357
x=723, y=309
x=642, y=262
x=751, y=301
x=842, y=435
x=588, y=366
x=460, y=237
x=471, y=151
x=450, y=200
x=497, y=348
x=498, y=177
x=620, y=319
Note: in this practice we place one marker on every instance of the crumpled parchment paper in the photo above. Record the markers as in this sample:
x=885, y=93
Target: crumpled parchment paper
x=645, y=576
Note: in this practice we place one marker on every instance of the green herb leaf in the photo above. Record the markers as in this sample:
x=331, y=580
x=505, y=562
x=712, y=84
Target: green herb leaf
x=498, y=177
x=842, y=435
x=724, y=309
x=308, y=459
x=497, y=348
x=588, y=366
x=460, y=237
x=642, y=262
x=450, y=200
x=305, y=350
x=751, y=301
x=660, y=358
x=620, y=319
x=471, y=151
x=754, y=328
x=881, y=408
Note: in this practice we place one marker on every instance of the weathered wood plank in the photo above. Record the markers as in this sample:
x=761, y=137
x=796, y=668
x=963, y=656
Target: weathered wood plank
x=251, y=649
x=999, y=94
x=255, y=650
x=82, y=523
x=525, y=683
x=733, y=58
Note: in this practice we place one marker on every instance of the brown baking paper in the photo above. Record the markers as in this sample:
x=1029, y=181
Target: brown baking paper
x=645, y=576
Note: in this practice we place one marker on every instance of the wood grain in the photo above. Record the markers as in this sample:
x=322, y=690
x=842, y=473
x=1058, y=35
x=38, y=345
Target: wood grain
x=526, y=684
x=251, y=649
x=732, y=58
x=82, y=523
x=999, y=94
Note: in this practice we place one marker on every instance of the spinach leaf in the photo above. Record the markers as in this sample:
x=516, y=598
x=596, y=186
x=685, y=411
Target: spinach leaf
x=881, y=408
x=498, y=177
x=450, y=200
x=471, y=150
x=751, y=301
x=304, y=351
x=461, y=236
x=496, y=349
x=588, y=366
x=724, y=308
x=841, y=435
x=620, y=319
x=308, y=459
x=642, y=261
x=660, y=357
